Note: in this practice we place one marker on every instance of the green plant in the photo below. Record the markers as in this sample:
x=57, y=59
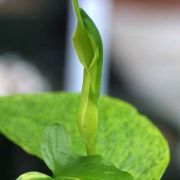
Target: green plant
x=115, y=141
x=88, y=46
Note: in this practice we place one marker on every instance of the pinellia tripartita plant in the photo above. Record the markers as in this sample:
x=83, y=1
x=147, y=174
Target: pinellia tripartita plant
x=85, y=137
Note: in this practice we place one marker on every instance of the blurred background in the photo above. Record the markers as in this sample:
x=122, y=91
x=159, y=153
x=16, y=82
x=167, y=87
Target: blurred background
x=141, y=64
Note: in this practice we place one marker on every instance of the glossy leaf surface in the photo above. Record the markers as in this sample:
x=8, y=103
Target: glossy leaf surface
x=94, y=168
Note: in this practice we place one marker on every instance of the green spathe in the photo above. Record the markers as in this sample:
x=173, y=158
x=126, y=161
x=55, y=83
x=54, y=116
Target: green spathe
x=89, y=49
x=125, y=138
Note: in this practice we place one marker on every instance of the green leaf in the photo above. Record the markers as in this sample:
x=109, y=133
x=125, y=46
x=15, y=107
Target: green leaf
x=96, y=168
x=34, y=176
x=89, y=49
x=56, y=151
x=125, y=138
x=56, y=148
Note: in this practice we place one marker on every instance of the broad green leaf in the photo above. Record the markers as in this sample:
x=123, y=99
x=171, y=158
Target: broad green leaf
x=88, y=46
x=56, y=152
x=96, y=168
x=56, y=148
x=34, y=176
x=125, y=138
